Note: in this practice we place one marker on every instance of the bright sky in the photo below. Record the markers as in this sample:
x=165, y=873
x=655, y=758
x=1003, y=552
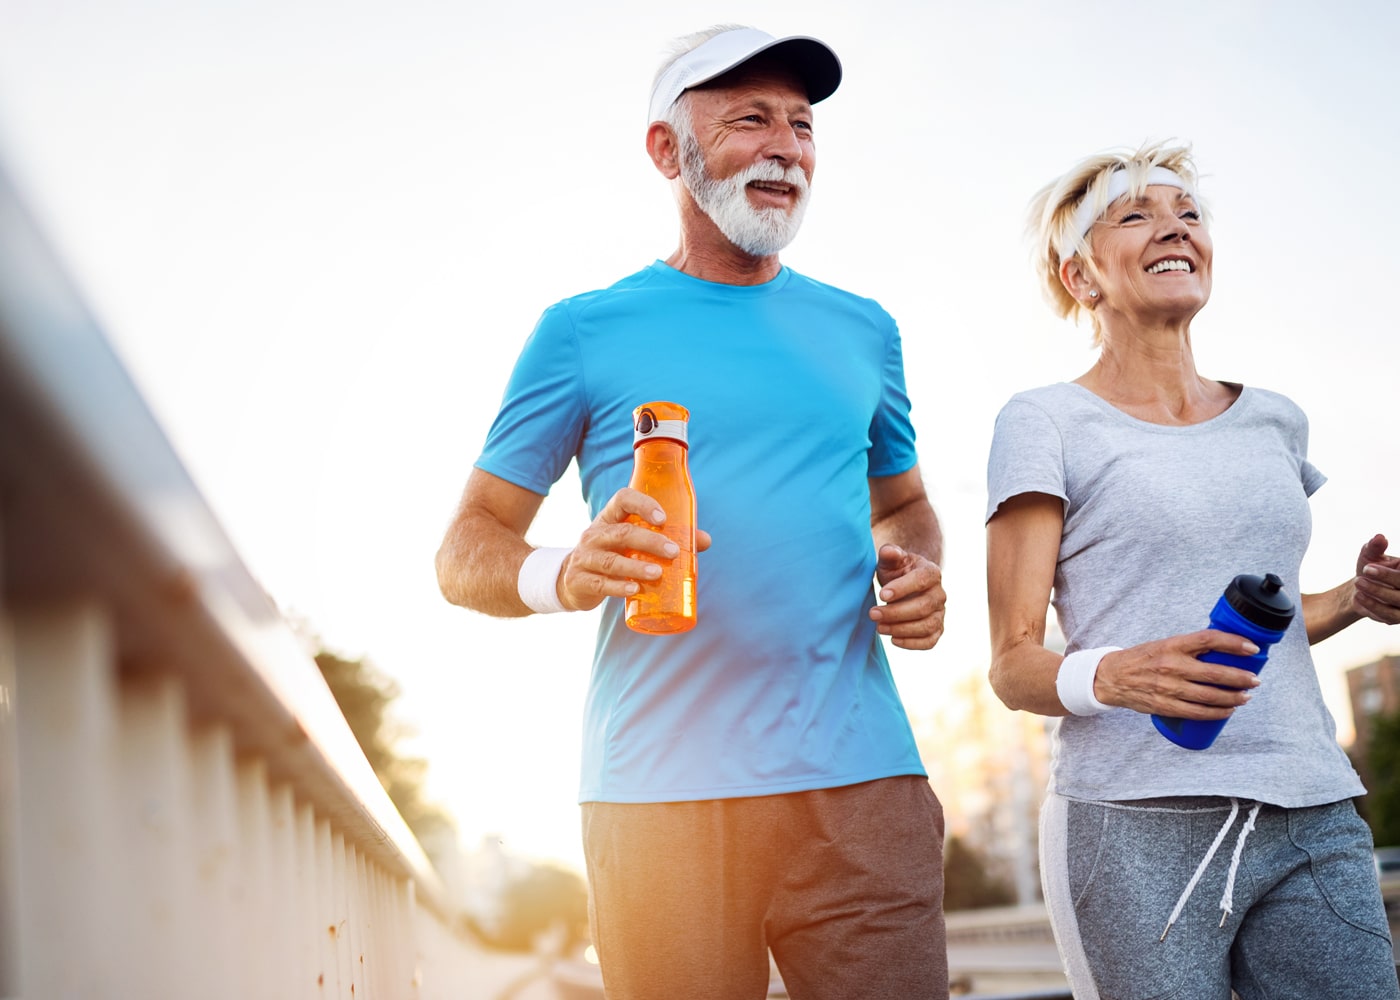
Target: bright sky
x=318, y=233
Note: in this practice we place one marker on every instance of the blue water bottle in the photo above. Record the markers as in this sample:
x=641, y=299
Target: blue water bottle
x=1254, y=607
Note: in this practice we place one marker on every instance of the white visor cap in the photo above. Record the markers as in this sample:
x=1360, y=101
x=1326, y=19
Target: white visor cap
x=813, y=61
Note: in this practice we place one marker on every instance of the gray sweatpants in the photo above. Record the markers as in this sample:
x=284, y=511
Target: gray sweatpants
x=1288, y=907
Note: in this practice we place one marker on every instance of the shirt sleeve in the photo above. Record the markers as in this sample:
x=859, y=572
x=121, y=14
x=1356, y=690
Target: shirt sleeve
x=1027, y=455
x=541, y=421
x=892, y=448
x=1311, y=476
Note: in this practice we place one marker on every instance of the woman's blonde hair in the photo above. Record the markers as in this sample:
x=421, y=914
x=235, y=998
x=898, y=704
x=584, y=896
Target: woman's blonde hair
x=1050, y=223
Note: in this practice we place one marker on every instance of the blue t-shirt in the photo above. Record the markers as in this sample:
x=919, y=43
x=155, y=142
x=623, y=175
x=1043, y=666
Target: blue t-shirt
x=796, y=396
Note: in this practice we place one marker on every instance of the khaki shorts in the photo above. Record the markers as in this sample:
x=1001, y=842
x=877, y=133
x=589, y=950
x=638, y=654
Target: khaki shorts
x=844, y=885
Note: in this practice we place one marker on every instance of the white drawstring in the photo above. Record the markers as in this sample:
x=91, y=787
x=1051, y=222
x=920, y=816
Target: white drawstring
x=1200, y=869
x=1227, y=900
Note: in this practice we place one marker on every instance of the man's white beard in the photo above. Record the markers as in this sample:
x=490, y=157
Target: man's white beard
x=757, y=231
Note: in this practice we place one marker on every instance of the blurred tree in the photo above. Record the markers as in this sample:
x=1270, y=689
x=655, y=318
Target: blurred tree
x=1383, y=780
x=967, y=882
x=544, y=909
x=364, y=696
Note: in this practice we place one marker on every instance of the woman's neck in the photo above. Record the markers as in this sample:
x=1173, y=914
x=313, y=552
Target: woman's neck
x=1151, y=374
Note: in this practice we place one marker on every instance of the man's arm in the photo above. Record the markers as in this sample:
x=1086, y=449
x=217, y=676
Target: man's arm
x=909, y=548
x=478, y=563
x=479, y=560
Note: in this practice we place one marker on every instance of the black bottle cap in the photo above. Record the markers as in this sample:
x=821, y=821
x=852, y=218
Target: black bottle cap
x=1261, y=600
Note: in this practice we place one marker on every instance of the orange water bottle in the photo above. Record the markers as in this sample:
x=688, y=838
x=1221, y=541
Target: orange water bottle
x=659, y=449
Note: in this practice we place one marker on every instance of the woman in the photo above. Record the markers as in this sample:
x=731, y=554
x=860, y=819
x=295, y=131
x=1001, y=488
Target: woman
x=1135, y=494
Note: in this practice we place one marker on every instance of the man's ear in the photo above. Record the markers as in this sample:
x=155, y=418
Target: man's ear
x=664, y=149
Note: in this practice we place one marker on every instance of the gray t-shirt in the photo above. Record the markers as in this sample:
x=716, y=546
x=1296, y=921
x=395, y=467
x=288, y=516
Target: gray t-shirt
x=1158, y=520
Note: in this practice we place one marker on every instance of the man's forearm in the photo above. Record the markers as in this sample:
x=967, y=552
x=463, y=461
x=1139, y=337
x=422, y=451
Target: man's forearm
x=478, y=566
x=478, y=563
x=914, y=527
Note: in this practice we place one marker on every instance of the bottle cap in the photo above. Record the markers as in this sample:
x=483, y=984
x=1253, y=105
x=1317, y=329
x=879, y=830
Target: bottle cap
x=660, y=420
x=1261, y=600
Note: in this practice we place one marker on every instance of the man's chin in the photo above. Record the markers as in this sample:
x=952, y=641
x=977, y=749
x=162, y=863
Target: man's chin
x=759, y=232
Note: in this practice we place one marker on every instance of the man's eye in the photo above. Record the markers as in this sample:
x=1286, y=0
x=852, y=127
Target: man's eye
x=1191, y=214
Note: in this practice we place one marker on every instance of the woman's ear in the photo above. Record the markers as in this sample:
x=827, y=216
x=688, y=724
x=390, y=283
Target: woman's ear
x=1080, y=284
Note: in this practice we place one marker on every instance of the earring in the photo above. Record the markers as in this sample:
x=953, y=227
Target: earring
x=1094, y=294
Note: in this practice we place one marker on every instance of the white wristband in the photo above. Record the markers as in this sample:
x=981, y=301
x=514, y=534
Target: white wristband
x=538, y=583
x=1075, y=681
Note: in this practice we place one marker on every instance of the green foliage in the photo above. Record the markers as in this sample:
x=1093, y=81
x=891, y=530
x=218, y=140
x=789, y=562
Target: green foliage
x=967, y=882
x=364, y=696
x=1383, y=791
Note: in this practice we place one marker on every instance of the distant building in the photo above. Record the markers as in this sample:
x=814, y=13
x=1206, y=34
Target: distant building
x=1374, y=689
x=989, y=767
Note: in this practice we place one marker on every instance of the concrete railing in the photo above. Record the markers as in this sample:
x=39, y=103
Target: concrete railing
x=183, y=809
x=1001, y=924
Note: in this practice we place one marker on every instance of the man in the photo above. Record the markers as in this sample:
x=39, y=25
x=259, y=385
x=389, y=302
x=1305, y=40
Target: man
x=752, y=783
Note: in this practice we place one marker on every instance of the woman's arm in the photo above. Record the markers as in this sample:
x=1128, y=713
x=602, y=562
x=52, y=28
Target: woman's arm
x=1374, y=592
x=1023, y=544
x=1162, y=676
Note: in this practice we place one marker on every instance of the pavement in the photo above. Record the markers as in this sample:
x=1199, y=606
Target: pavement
x=499, y=975
x=974, y=970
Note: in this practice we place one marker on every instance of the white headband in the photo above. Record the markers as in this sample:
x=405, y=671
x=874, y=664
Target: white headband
x=1087, y=213
x=814, y=61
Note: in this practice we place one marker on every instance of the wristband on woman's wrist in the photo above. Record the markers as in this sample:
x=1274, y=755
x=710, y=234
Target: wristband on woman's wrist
x=538, y=582
x=1075, y=681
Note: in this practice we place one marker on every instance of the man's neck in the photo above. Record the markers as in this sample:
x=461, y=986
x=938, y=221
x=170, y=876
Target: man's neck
x=706, y=253
x=725, y=267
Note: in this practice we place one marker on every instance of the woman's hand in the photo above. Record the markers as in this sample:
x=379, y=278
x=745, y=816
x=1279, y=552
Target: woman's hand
x=1164, y=677
x=1377, y=586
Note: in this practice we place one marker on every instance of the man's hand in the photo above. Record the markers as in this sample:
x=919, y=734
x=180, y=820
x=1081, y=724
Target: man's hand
x=604, y=562
x=912, y=588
